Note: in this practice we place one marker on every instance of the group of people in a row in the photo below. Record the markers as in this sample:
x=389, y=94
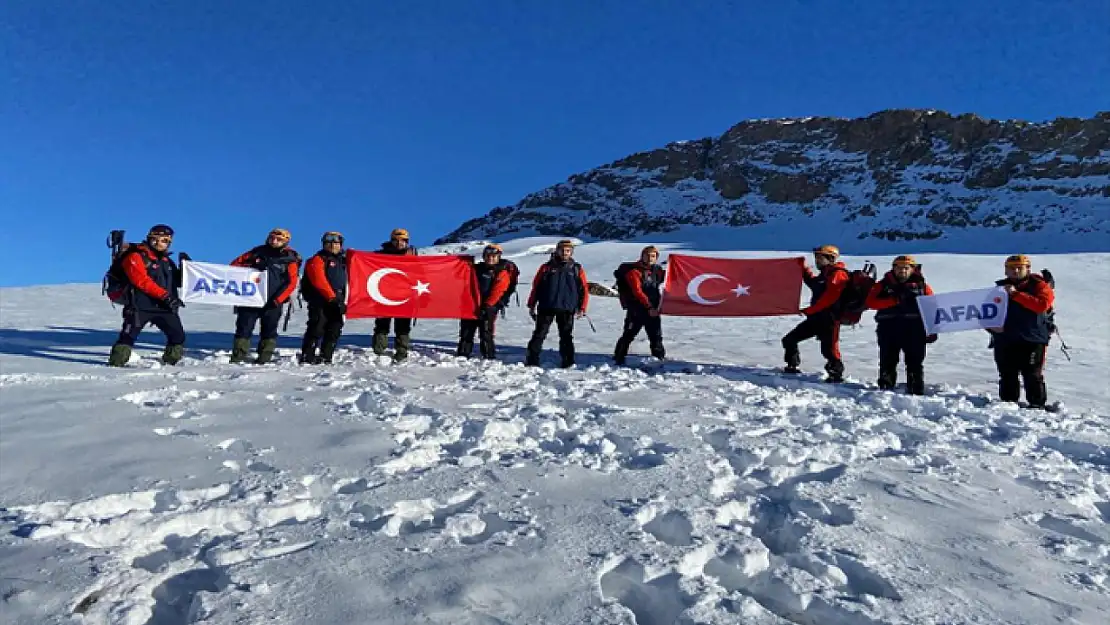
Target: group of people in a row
x=560, y=294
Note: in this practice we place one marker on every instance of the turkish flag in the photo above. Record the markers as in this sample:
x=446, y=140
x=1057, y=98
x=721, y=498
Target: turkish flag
x=697, y=286
x=411, y=287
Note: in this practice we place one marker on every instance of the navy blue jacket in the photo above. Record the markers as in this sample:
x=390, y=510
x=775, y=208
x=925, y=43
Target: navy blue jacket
x=560, y=287
x=1027, y=317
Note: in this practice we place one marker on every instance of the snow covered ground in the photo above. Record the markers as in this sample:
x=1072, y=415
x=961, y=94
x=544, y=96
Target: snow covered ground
x=710, y=491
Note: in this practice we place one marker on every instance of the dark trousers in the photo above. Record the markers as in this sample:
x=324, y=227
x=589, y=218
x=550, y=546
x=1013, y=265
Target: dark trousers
x=402, y=327
x=135, y=320
x=324, y=321
x=484, y=327
x=636, y=319
x=827, y=330
x=1024, y=359
x=565, y=323
x=247, y=318
x=893, y=343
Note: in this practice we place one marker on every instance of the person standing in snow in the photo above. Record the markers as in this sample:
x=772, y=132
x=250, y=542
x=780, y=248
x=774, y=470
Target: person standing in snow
x=822, y=315
x=1021, y=345
x=493, y=282
x=559, y=293
x=325, y=290
x=151, y=297
x=640, y=288
x=397, y=245
x=281, y=264
x=900, y=329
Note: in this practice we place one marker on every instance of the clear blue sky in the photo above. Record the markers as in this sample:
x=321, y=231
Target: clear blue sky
x=225, y=119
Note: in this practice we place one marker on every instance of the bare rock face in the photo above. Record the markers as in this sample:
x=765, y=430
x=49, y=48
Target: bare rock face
x=896, y=175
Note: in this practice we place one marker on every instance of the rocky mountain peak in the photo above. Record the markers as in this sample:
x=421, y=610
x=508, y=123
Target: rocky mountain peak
x=896, y=175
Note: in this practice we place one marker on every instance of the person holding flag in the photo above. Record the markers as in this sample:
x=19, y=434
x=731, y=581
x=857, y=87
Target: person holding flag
x=1021, y=345
x=397, y=245
x=325, y=290
x=900, y=328
x=639, y=286
x=281, y=264
x=493, y=282
x=822, y=315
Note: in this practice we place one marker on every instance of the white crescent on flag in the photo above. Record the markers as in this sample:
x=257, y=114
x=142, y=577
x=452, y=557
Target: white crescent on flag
x=695, y=284
x=374, y=286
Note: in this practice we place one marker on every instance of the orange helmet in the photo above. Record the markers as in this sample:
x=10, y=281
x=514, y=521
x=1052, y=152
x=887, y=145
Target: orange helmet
x=831, y=251
x=280, y=233
x=492, y=248
x=1018, y=260
x=399, y=233
x=904, y=260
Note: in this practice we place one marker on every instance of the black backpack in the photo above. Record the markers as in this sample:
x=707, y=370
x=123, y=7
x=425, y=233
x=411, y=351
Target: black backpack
x=1050, y=314
x=623, y=292
x=853, y=299
x=514, y=278
x=115, y=285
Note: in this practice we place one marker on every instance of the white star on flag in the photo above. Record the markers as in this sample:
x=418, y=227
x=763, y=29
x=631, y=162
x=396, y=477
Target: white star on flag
x=741, y=290
x=421, y=288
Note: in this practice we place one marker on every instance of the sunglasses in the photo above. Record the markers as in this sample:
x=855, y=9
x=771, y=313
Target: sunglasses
x=333, y=239
x=161, y=239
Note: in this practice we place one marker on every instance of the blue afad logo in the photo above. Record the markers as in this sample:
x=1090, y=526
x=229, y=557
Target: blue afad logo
x=971, y=311
x=216, y=286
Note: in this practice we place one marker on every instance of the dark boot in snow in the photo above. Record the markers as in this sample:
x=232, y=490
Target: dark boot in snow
x=240, y=349
x=465, y=349
x=888, y=378
x=915, y=382
x=266, y=348
x=835, y=369
x=379, y=343
x=173, y=354
x=120, y=355
x=401, y=347
x=327, y=351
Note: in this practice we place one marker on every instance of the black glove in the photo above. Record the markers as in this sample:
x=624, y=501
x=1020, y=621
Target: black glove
x=340, y=308
x=486, y=311
x=173, y=302
x=182, y=256
x=270, y=305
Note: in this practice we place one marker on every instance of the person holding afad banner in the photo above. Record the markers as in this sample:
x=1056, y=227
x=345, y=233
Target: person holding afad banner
x=325, y=290
x=150, y=296
x=900, y=327
x=1021, y=345
x=281, y=264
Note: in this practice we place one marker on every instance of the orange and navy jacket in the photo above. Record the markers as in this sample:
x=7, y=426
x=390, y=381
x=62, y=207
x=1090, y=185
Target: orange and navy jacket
x=1027, y=317
x=826, y=286
x=149, y=272
x=325, y=278
x=560, y=287
x=282, y=266
x=897, y=301
x=493, y=283
x=635, y=279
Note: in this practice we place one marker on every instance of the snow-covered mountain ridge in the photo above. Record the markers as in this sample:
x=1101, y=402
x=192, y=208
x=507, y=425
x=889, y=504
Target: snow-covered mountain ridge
x=924, y=179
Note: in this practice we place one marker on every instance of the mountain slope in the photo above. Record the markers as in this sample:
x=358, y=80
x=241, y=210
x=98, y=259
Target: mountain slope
x=942, y=182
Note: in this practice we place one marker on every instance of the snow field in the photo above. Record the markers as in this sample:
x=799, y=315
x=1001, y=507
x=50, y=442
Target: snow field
x=710, y=489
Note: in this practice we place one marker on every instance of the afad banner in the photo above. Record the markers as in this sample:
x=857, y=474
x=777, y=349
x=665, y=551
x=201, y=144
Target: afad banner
x=981, y=309
x=222, y=285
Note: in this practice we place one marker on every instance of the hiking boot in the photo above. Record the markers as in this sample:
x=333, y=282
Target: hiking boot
x=327, y=351
x=465, y=349
x=792, y=369
x=266, y=349
x=120, y=355
x=173, y=354
x=240, y=349
x=379, y=343
x=401, y=345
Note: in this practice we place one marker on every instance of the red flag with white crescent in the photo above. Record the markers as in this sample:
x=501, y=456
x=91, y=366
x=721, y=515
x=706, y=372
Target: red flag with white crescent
x=411, y=287
x=698, y=286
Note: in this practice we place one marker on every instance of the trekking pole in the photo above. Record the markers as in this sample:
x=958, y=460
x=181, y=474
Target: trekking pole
x=590, y=321
x=1063, y=346
x=288, y=314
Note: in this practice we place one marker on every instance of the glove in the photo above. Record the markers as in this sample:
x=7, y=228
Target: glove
x=182, y=256
x=339, y=307
x=932, y=338
x=532, y=313
x=173, y=302
x=272, y=304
